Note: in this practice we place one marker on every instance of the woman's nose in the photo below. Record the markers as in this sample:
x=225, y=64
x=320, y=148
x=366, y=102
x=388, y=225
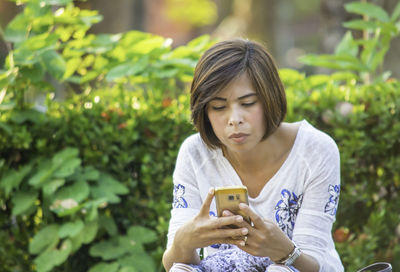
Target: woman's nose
x=235, y=117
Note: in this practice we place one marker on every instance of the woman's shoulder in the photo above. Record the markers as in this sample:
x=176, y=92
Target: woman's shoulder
x=193, y=145
x=315, y=141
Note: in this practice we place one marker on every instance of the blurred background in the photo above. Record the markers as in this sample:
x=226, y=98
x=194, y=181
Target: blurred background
x=91, y=124
x=288, y=28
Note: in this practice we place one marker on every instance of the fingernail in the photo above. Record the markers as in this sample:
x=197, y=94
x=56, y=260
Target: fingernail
x=242, y=205
x=225, y=213
x=211, y=191
x=245, y=231
x=242, y=243
x=239, y=219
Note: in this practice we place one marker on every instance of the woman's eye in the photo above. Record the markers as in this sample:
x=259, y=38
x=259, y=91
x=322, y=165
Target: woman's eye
x=249, y=104
x=218, y=107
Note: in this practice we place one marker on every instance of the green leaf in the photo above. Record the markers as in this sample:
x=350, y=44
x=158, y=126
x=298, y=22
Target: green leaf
x=13, y=178
x=31, y=115
x=317, y=80
x=90, y=18
x=6, y=128
x=127, y=69
x=43, y=174
x=347, y=46
x=103, y=43
x=45, y=238
x=90, y=173
x=290, y=76
x=22, y=201
x=16, y=31
x=77, y=241
x=57, y=2
x=141, y=234
x=54, y=63
x=70, y=229
x=339, y=62
x=344, y=76
x=77, y=191
x=93, y=213
x=51, y=258
x=7, y=106
x=67, y=168
x=368, y=9
x=361, y=24
x=33, y=73
x=140, y=260
x=396, y=13
x=105, y=267
x=42, y=43
x=108, y=182
x=108, y=224
x=146, y=46
x=107, y=250
x=127, y=269
x=52, y=186
x=65, y=207
x=24, y=56
x=108, y=188
x=71, y=66
x=90, y=231
x=65, y=154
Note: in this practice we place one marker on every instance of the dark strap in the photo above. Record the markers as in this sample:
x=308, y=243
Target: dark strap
x=377, y=267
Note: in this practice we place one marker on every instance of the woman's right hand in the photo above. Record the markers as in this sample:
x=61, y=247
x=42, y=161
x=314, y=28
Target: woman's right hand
x=204, y=230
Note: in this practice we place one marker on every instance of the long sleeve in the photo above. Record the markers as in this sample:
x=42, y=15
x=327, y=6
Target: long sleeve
x=313, y=227
x=186, y=196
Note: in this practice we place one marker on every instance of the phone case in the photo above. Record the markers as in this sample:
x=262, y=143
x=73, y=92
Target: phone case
x=228, y=198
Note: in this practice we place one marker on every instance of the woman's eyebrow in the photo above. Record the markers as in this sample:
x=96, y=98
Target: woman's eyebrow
x=247, y=95
x=239, y=98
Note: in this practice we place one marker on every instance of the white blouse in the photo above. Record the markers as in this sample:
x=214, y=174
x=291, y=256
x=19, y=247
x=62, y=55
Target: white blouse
x=301, y=198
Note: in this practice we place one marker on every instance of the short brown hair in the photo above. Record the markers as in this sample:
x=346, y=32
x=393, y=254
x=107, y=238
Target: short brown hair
x=226, y=61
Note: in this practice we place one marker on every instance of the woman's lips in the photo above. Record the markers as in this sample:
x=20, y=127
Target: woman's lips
x=238, y=137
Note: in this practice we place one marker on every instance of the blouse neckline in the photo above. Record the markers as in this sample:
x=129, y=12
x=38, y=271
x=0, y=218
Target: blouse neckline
x=232, y=174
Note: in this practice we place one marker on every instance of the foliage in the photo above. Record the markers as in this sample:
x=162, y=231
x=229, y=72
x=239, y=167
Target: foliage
x=363, y=120
x=363, y=57
x=56, y=44
x=85, y=181
x=135, y=147
x=192, y=13
x=77, y=170
x=359, y=107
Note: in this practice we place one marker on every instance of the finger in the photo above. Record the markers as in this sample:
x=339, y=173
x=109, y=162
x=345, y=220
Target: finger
x=205, y=208
x=227, y=213
x=238, y=242
x=221, y=222
x=231, y=233
x=255, y=218
x=241, y=223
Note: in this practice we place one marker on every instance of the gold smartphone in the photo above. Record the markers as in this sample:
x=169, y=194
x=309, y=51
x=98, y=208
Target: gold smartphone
x=228, y=198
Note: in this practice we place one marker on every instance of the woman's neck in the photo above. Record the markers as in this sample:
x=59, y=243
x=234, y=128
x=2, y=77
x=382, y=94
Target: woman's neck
x=268, y=152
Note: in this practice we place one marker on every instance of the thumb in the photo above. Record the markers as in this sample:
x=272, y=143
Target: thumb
x=205, y=208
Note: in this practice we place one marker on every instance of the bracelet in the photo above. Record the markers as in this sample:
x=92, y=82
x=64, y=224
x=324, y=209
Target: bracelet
x=291, y=258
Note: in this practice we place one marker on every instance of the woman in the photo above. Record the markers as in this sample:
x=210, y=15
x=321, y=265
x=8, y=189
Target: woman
x=291, y=171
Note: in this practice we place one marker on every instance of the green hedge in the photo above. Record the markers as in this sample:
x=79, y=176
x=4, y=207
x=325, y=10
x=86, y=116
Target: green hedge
x=364, y=121
x=86, y=180
x=110, y=165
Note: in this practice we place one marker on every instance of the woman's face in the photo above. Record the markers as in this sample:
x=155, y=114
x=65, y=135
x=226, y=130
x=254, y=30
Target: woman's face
x=237, y=117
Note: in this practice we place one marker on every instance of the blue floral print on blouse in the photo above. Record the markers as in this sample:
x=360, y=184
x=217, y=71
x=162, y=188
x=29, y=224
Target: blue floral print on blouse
x=331, y=206
x=179, y=200
x=286, y=211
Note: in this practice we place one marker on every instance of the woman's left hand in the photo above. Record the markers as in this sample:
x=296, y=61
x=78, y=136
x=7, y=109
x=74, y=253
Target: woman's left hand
x=264, y=238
